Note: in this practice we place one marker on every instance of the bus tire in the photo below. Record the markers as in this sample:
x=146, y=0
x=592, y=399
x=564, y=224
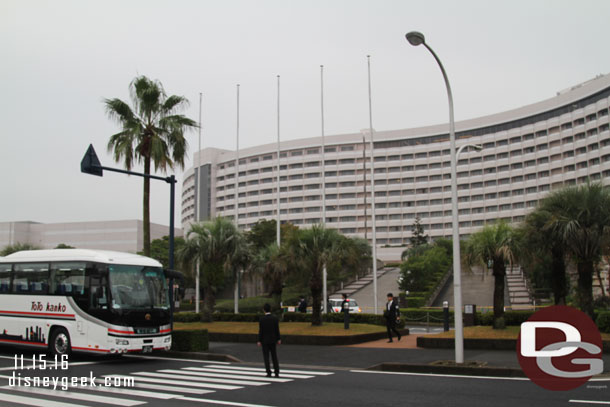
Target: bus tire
x=59, y=344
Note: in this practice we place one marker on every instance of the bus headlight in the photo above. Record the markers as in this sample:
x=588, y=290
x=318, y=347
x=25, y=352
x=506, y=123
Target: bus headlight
x=122, y=342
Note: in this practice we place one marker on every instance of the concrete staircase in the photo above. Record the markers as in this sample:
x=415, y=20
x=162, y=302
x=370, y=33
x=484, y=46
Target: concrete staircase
x=518, y=292
x=358, y=284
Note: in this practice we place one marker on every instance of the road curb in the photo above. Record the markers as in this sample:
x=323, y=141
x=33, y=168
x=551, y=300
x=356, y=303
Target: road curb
x=304, y=339
x=448, y=370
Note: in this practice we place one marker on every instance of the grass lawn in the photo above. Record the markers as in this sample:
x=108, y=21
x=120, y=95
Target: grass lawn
x=487, y=332
x=286, y=328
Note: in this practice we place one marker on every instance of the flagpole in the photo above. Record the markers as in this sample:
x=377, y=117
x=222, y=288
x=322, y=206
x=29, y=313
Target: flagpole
x=368, y=57
x=278, y=163
x=198, y=200
x=324, y=272
x=236, y=289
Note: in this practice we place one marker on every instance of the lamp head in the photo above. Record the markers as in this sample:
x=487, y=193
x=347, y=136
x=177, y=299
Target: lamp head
x=415, y=38
x=478, y=147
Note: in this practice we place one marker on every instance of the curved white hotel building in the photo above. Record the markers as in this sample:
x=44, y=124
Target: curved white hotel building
x=526, y=152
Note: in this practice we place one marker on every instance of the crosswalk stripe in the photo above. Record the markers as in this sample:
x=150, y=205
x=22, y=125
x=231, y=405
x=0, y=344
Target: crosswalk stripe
x=199, y=379
x=212, y=373
x=181, y=383
x=180, y=389
x=171, y=359
x=133, y=392
x=31, y=401
x=222, y=403
x=247, y=373
x=76, y=396
x=255, y=369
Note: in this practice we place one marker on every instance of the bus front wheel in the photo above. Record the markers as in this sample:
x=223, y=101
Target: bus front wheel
x=60, y=342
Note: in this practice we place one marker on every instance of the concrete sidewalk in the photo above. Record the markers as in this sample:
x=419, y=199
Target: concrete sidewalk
x=362, y=356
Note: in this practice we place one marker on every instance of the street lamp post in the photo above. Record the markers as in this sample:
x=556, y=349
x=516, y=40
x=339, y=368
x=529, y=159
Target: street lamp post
x=416, y=38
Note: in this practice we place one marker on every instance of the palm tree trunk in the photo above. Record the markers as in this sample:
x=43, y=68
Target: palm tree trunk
x=558, y=276
x=585, y=286
x=146, y=209
x=316, y=295
x=499, y=272
x=209, y=300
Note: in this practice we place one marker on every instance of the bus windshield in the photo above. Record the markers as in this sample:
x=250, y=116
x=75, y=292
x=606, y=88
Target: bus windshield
x=138, y=287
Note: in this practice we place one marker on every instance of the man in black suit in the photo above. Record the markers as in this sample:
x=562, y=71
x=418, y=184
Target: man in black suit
x=391, y=314
x=268, y=338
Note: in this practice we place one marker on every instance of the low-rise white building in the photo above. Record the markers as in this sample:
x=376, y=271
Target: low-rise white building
x=119, y=235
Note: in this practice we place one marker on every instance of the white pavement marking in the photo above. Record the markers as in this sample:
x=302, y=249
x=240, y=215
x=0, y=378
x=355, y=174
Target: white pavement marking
x=188, y=371
x=176, y=359
x=262, y=373
x=441, y=375
x=232, y=374
x=173, y=388
x=30, y=401
x=180, y=382
x=222, y=403
x=254, y=369
x=76, y=396
x=200, y=379
x=589, y=402
x=131, y=391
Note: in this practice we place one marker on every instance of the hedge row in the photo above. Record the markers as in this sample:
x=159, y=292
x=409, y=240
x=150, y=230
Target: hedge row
x=371, y=319
x=191, y=340
x=603, y=321
x=510, y=317
x=286, y=317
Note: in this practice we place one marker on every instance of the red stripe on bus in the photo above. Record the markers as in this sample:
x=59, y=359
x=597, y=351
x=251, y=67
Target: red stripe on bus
x=91, y=349
x=25, y=342
x=165, y=330
x=121, y=332
x=37, y=313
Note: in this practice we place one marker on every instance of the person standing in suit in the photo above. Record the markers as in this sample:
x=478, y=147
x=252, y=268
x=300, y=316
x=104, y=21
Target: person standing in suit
x=391, y=314
x=268, y=338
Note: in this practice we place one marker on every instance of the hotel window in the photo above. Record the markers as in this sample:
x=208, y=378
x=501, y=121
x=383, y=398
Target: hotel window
x=490, y=183
x=543, y=160
x=393, y=158
x=477, y=197
x=490, y=144
x=504, y=194
x=492, y=195
x=501, y=143
x=500, y=156
x=347, y=148
x=529, y=136
x=503, y=168
x=505, y=207
x=490, y=157
x=516, y=166
x=407, y=156
x=515, y=140
x=531, y=190
x=541, y=147
x=330, y=149
x=296, y=153
x=421, y=155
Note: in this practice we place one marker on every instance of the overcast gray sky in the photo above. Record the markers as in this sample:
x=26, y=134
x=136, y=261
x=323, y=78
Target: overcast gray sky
x=61, y=58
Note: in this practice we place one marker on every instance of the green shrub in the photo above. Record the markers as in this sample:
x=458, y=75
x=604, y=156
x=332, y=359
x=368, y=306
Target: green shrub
x=246, y=317
x=194, y=340
x=499, y=323
x=187, y=317
x=359, y=318
x=603, y=321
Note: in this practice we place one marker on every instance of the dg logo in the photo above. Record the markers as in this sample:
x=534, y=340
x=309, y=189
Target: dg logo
x=560, y=348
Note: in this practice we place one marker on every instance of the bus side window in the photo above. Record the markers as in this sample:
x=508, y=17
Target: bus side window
x=31, y=278
x=5, y=278
x=68, y=278
x=99, y=292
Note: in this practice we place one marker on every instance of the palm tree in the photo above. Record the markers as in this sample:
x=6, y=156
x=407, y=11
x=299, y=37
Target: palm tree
x=219, y=247
x=17, y=247
x=273, y=263
x=152, y=133
x=580, y=217
x=316, y=247
x=546, y=250
x=496, y=243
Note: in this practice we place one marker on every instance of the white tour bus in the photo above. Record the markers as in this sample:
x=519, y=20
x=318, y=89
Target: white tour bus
x=84, y=300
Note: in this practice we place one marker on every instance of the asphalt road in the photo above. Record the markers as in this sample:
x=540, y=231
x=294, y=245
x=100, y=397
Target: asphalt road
x=163, y=382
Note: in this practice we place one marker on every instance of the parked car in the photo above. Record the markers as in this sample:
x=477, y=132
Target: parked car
x=335, y=305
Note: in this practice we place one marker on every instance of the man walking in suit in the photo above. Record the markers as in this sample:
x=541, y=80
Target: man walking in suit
x=268, y=338
x=391, y=313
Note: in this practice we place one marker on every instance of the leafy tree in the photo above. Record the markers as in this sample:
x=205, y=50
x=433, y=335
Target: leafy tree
x=273, y=263
x=159, y=249
x=495, y=243
x=418, y=237
x=580, y=217
x=64, y=246
x=152, y=133
x=221, y=249
x=17, y=247
x=422, y=265
x=264, y=233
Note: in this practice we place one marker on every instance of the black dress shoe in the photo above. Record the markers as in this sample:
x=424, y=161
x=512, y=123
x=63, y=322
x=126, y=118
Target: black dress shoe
x=277, y=375
x=399, y=337
x=268, y=374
